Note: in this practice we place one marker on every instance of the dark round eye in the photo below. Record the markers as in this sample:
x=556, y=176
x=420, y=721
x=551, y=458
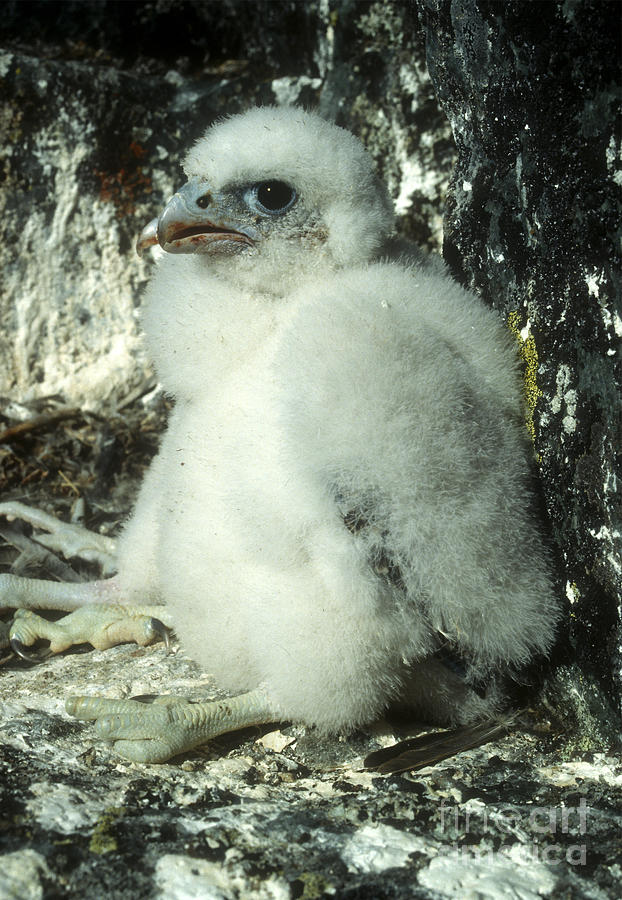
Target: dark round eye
x=205, y=201
x=274, y=196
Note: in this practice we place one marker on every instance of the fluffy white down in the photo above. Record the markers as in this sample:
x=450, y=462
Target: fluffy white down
x=350, y=386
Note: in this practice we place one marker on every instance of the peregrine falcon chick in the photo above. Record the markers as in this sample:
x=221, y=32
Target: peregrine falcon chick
x=340, y=515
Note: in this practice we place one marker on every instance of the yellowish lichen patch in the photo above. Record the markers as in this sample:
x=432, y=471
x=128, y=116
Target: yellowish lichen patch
x=529, y=355
x=314, y=885
x=102, y=841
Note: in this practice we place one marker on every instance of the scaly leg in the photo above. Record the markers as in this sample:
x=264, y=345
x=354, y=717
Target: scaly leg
x=98, y=615
x=34, y=593
x=154, y=733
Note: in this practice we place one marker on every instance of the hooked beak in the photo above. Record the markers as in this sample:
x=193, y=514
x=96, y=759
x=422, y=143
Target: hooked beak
x=193, y=222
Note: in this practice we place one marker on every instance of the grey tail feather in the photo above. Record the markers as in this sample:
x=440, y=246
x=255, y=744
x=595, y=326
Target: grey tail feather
x=428, y=749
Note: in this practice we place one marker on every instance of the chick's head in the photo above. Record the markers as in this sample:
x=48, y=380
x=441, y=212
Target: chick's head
x=275, y=194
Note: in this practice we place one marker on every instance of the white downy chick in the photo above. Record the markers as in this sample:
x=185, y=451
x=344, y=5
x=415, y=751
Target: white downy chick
x=340, y=511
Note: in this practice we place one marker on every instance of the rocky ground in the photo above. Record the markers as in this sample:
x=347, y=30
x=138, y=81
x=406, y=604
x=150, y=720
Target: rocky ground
x=280, y=813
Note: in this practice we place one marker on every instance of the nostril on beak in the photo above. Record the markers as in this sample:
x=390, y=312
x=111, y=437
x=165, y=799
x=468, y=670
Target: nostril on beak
x=204, y=201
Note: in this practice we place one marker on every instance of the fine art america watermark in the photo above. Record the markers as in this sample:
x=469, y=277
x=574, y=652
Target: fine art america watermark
x=541, y=833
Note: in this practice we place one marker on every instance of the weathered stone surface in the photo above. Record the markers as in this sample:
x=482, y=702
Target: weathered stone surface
x=303, y=821
x=532, y=226
x=376, y=84
x=90, y=155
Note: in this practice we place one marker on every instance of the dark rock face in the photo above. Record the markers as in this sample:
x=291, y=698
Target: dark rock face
x=283, y=815
x=532, y=220
x=155, y=35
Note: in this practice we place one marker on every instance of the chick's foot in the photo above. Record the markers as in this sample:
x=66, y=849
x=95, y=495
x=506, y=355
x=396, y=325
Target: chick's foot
x=101, y=625
x=170, y=725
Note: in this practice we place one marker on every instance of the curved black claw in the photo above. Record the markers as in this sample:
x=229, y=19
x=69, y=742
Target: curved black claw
x=163, y=630
x=20, y=650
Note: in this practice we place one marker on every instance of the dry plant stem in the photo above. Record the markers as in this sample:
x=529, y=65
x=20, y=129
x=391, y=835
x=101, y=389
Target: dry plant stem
x=38, y=422
x=64, y=537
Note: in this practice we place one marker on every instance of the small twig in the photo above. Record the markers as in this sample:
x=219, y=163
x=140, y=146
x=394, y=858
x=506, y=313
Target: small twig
x=144, y=388
x=68, y=482
x=33, y=554
x=42, y=421
x=32, y=476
